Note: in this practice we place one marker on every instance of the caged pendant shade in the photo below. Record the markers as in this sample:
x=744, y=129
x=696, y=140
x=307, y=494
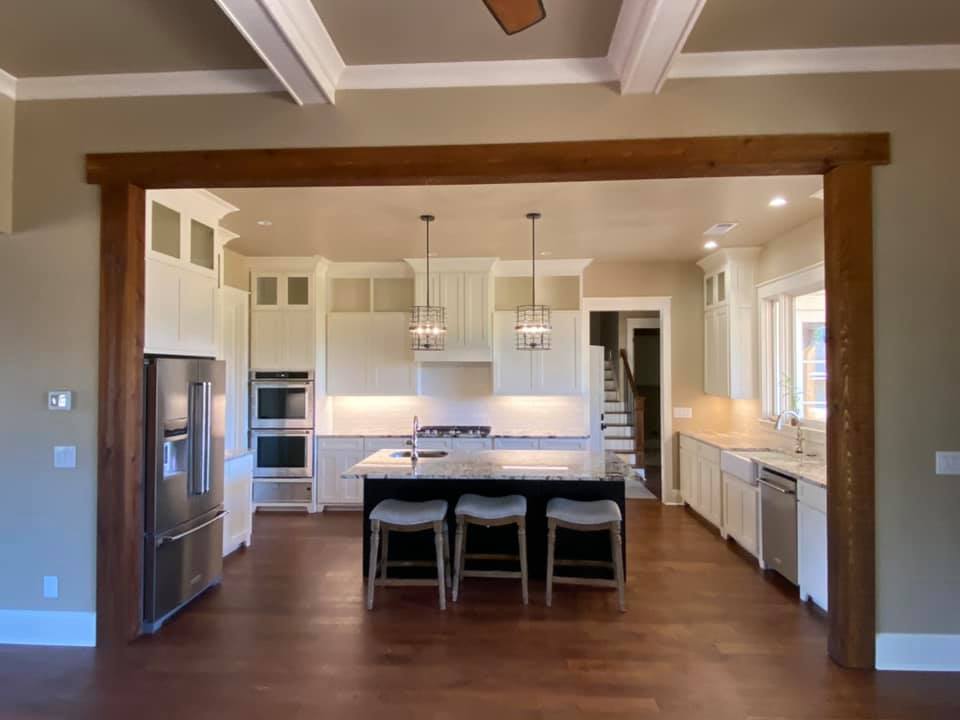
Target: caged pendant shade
x=533, y=329
x=428, y=323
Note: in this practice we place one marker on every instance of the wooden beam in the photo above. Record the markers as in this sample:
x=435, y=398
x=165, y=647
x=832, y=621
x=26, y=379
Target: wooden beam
x=120, y=416
x=848, y=207
x=506, y=163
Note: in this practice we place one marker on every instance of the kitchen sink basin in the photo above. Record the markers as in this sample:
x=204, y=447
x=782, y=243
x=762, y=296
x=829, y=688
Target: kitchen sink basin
x=406, y=454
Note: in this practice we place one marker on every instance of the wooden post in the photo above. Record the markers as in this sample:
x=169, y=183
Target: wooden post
x=850, y=419
x=120, y=416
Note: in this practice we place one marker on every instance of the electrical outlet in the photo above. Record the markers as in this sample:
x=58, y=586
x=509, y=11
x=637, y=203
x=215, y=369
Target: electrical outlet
x=51, y=587
x=948, y=463
x=683, y=413
x=65, y=456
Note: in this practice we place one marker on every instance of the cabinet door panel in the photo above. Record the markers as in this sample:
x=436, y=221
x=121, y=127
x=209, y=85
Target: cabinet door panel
x=749, y=522
x=722, y=355
x=812, y=554
x=393, y=371
x=347, y=353
x=329, y=488
x=476, y=318
x=198, y=298
x=351, y=492
x=732, y=508
x=266, y=341
x=512, y=368
x=298, y=346
x=162, y=331
x=557, y=371
x=451, y=293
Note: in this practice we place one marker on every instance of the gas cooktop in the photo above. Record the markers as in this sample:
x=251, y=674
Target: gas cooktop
x=455, y=431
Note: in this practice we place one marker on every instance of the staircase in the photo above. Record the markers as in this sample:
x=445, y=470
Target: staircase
x=619, y=435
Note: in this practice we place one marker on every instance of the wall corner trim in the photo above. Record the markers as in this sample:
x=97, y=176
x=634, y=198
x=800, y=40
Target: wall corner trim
x=919, y=652
x=45, y=627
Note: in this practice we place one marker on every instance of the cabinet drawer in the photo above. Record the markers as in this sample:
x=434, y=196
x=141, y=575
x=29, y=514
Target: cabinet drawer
x=564, y=443
x=372, y=444
x=812, y=495
x=279, y=492
x=472, y=444
x=340, y=443
x=688, y=443
x=516, y=444
x=708, y=452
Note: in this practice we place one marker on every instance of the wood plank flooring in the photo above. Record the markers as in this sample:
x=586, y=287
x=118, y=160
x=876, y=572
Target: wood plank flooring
x=286, y=636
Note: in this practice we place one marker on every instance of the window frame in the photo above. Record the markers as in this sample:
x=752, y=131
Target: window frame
x=776, y=304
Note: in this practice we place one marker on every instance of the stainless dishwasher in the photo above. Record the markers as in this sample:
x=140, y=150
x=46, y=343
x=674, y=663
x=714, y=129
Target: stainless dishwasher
x=778, y=517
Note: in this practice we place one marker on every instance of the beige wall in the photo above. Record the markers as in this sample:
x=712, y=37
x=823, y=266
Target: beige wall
x=236, y=270
x=6, y=163
x=49, y=269
x=794, y=250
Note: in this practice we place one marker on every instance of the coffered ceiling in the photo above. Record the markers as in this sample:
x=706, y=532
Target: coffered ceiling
x=632, y=220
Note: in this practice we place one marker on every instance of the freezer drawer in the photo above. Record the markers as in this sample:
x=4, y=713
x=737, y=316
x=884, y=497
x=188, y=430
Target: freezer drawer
x=179, y=565
x=280, y=492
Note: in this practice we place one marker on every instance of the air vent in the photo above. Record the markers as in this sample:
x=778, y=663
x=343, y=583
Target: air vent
x=720, y=229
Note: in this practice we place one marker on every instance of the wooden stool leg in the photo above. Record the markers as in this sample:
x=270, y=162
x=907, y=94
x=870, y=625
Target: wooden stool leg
x=522, y=542
x=441, y=583
x=616, y=548
x=551, y=542
x=384, y=552
x=458, y=560
x=372, y=570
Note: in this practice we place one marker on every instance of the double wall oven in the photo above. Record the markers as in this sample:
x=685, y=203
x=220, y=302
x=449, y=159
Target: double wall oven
x=281, y=423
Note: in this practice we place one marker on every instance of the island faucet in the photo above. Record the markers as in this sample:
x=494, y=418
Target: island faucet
x=414, y=447
x=796, y=421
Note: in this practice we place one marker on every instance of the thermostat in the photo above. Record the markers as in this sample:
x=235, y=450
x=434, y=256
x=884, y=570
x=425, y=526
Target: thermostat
x=60, y=400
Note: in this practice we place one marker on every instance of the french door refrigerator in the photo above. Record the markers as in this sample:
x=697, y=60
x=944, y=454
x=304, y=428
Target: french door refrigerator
x=183, y=497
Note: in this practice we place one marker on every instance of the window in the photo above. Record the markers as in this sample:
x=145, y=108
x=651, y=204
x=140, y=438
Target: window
x=793, y=346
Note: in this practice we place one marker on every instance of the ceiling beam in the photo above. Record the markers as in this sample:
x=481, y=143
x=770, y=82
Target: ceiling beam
x=291, y=39
x=648, y=36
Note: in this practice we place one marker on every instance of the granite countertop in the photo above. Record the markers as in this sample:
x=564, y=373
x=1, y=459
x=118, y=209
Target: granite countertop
x=729, y=440
x=495, y=465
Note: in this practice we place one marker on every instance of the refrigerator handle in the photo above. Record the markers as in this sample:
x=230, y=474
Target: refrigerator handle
x=200, y=409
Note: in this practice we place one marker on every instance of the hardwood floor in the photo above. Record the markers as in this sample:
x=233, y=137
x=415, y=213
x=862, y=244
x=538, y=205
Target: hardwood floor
x=286, y=636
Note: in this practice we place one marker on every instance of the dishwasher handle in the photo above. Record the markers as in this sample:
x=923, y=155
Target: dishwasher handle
x=778, y=488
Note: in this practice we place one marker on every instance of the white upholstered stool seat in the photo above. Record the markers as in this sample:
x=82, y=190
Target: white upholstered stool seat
x=586, y=516
x=403, y=516
x=491, y=508
x=490, y=512
x=401, y=512
x=579, y=512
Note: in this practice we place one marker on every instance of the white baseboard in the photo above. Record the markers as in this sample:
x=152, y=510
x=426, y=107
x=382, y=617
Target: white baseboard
x=44, y=627
x=930, y=653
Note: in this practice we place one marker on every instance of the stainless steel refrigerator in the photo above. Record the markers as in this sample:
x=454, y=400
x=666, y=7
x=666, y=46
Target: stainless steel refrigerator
x=183, y=496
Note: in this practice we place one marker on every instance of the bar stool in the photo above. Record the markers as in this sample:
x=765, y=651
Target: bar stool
x=402, y=516
x=585, y=516
x=490, y=512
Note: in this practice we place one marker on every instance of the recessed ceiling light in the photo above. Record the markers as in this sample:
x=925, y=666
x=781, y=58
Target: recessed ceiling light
x=264, y=223
x=433, y=254
x=719, y=229
x=778, y=201
x=546, y=253
x=710, y=245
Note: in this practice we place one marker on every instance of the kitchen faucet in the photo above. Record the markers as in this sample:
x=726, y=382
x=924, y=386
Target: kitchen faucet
x=414, y=449
x=796, y=421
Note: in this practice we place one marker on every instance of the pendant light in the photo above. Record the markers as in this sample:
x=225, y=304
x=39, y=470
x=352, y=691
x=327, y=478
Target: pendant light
x=533, y=321
x=428, y=323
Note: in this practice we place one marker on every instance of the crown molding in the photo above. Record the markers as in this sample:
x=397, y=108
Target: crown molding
x=8, y=84
x=881, y=58
x=648, y=37
x=374, y=269
x=453, y=264
x=292, y=40
x=563, y=267
x=561, y=71
x=192, y=82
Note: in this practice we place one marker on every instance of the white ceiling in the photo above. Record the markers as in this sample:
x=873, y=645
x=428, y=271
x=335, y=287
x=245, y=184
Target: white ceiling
x=635, y=220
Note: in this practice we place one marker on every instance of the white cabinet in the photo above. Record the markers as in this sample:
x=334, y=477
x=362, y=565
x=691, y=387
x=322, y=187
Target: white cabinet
x=689, y=486
x=369, y=354
x=509, y=443
x=700, y=479
x=710, y=493
x=556, y=371
x=235, y=354
x=238, y=503
x=334, y=457
x=564, y=443
x=472, y=444
x=729, y=320
x=532, y=443
x=741, y=513
x=812, y=542
x=282, y=321
x=464, y=287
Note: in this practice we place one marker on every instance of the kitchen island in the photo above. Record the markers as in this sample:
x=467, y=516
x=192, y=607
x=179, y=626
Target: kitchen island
x=538, y=475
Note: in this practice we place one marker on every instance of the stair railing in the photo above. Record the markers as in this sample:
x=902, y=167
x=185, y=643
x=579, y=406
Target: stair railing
x=635, y=405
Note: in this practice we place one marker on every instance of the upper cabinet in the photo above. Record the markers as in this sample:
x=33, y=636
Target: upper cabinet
x=464, y=288
x=183, y=271
x=556, y=371
x=729, y=317
x=283, y=317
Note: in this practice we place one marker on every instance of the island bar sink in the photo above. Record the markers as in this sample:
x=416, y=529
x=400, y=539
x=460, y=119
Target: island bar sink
x=422, y=454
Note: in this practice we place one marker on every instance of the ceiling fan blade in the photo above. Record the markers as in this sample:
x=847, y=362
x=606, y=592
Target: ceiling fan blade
x=516, y=15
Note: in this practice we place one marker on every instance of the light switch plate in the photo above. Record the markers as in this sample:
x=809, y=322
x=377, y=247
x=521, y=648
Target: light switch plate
x=61, y=400
x=51, y=587
x=683, y=412
x=65, y=456
x=948, y=463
